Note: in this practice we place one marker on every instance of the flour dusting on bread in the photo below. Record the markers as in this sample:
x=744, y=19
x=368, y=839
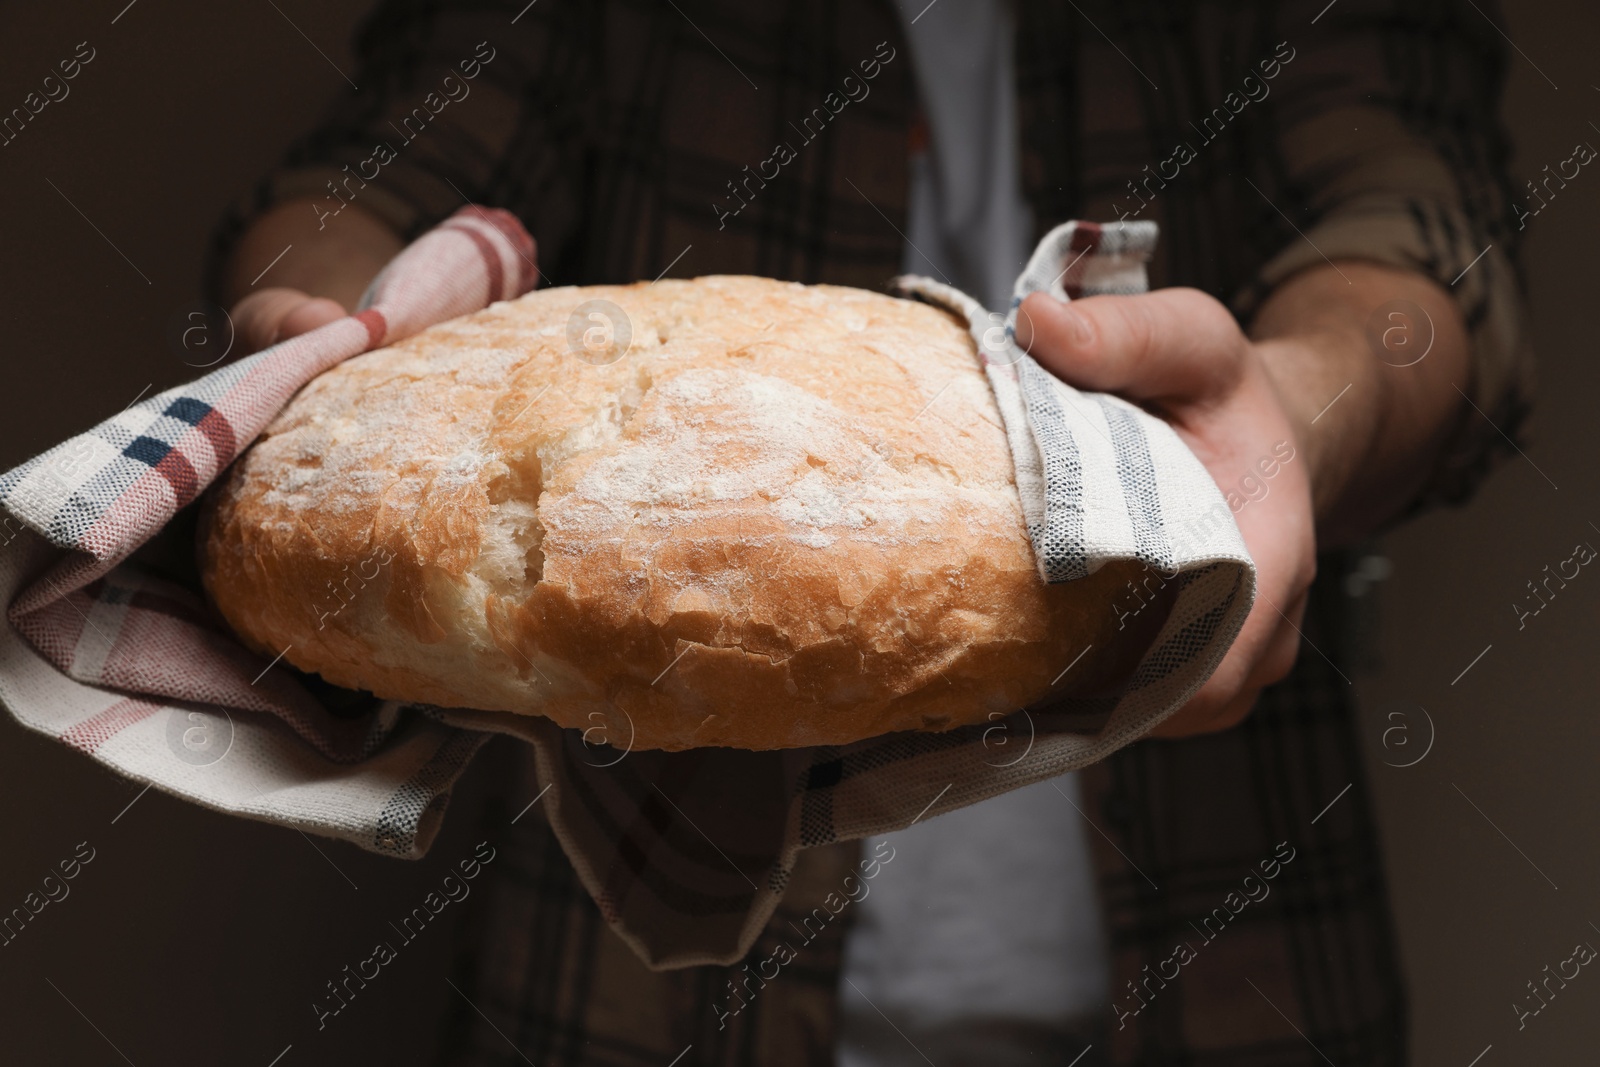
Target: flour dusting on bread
x=785, y=516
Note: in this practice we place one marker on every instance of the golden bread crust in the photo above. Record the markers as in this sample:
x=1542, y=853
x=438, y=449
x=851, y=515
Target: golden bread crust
x=786, y=516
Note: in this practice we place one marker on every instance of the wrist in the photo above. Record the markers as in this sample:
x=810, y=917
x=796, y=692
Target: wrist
x=1334, y=403
x=1372, y=425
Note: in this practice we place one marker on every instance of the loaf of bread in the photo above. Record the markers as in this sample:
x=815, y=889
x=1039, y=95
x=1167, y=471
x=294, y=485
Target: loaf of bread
x=721, y=512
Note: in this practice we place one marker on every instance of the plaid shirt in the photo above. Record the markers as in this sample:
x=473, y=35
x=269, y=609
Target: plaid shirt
x=1263, y=137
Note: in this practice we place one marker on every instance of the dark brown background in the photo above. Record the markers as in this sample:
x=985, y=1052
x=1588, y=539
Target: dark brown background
x=195, y=939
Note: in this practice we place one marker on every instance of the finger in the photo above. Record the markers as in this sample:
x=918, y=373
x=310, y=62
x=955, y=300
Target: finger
x=318, y=311
x=1172, y=343
x=1229, y=715
x=1261, y=655
x=1214, y=711
x=256, y=316
x=1277, y=658
x=268, y=316
x=1226, y=717
x=1196, y=717
x=1271, y=669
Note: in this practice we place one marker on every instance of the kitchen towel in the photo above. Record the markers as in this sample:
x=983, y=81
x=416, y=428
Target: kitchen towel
x=685, y=853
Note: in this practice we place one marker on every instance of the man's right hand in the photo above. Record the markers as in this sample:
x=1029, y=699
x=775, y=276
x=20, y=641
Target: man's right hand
x=268, y=316
x=321, y=267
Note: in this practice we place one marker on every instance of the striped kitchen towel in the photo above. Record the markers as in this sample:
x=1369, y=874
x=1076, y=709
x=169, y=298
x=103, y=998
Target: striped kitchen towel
x=686, y=853
x=135, y=671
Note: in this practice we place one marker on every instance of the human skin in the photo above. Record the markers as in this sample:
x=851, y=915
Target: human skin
x=1231, y=393
x=319, y=279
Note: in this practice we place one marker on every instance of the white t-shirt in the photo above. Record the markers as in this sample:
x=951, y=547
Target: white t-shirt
x=980, y=942
x=968, y=222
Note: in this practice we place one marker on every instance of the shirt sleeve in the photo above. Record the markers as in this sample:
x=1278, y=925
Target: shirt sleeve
x=1388, y=130
x=457, y=102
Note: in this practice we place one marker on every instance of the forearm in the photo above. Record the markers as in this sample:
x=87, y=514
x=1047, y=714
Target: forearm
x=335, y=258
x=1370, y=428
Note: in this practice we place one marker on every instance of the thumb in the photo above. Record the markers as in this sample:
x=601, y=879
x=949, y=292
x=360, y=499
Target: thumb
x=1169, y=344
x=268, y=316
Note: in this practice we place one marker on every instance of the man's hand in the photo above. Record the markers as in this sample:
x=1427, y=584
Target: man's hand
x=1235, y=399
x=317, y=268
x=1180, y=354
x=268, y=316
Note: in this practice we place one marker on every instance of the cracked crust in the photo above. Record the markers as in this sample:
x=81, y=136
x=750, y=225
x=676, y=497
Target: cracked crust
x=784, y=517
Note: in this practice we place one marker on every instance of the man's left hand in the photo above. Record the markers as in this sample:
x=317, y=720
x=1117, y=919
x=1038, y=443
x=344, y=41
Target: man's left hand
x=1240, y=402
